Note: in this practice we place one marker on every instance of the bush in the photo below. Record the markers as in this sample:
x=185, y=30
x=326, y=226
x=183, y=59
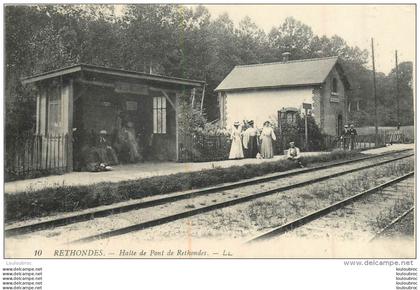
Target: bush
x=199, y=139
x=295, y=132
x=70, y=198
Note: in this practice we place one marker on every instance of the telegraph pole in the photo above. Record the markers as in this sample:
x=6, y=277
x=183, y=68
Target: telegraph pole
x=397, y=94
x=374, y=94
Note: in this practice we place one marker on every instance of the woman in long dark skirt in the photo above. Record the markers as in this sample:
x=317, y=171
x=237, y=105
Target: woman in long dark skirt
x=252, y=137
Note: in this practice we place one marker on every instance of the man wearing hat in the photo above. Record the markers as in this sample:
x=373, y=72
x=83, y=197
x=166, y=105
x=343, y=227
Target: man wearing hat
x=293, y=153
x=352, y=134
x=345, y=137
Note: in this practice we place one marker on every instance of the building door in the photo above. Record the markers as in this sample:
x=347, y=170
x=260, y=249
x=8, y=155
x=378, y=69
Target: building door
x=339, y=125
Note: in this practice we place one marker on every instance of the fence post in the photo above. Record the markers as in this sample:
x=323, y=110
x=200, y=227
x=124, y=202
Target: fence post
x=17, y=170
x=40, y=151
x=69, y=157
x=31, y=146
x=54, y=151
x=23, y=156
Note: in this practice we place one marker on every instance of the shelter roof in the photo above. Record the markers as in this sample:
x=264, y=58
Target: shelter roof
x=66, y=71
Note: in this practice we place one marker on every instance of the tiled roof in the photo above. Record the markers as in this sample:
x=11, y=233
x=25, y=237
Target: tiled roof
x=279, y=74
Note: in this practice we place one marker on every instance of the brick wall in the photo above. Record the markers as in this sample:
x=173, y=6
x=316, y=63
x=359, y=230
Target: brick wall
x=331, y=106
x=318, y=109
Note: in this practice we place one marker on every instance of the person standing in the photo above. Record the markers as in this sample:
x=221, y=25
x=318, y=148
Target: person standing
x=245, y=138
x=267, y=137
x=132, y=142
x=352, y=133
x=251, y=136
x=345, y=137
x=236, y=151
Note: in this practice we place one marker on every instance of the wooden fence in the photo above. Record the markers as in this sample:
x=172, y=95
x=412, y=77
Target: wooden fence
x=365, y=141
x=199, y=148
x=36, y=155
x=406, y=131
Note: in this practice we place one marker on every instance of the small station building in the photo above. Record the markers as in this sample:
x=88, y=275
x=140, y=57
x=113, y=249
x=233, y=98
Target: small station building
x=85, y=99
x=261, y=92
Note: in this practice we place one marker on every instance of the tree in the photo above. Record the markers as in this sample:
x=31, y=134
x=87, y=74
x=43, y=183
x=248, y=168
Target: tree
x=174, y=40
x=252, y=42
x=389, y=96
x=291, y=36
x=21, y=22
x=405, y=77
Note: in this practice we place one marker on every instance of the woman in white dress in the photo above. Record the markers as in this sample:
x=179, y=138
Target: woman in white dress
x=236, y=151
x=267, y=137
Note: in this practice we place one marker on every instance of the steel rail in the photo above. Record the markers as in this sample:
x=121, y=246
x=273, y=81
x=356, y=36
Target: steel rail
x=95, y=213
x=324, y=211
x=185, y=214
x=394, y=221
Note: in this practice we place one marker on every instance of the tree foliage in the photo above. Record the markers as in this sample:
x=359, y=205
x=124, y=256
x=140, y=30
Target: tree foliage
x=177, y=41
x=295, y=132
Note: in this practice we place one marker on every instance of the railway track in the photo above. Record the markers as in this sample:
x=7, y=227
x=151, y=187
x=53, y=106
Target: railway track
x=229, y=202
x=395, y=221
x=322, y=213
x=90, y=214
x=84, y=215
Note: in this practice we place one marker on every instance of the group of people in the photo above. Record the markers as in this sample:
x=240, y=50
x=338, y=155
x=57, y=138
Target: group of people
x=348, y=138
x=254, y=143
x=250, y=142
x=102, y=151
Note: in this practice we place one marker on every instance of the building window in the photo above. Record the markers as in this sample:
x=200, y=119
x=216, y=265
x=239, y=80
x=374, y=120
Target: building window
x=54, y=110
x=287, y=116
x=159, y=115
x=354, y=106
x=291, y=117
x=334, y=88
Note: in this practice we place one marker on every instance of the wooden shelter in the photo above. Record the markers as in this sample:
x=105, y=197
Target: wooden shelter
x=85, y=99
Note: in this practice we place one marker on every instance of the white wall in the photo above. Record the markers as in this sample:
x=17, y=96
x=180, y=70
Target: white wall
x=263, y=105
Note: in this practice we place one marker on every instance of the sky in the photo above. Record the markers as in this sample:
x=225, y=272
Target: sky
x=391, y=26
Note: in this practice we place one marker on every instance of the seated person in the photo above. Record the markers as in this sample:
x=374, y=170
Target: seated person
x=92, y=156
x=105, y=150
x=293, y=153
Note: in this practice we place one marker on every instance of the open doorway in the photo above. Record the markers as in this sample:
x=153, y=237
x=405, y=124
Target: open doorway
x=340, y=125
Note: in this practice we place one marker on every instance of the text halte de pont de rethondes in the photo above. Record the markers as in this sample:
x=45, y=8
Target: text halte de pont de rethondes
x=128, y=253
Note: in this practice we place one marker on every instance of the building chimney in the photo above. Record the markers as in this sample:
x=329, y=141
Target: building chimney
x=286, y=56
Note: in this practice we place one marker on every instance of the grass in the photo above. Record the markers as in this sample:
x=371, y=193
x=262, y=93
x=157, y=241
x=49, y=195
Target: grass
x=277, y=210
x=387, y=216
x=335, y=191
x=262, y=214
x=36, y=203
